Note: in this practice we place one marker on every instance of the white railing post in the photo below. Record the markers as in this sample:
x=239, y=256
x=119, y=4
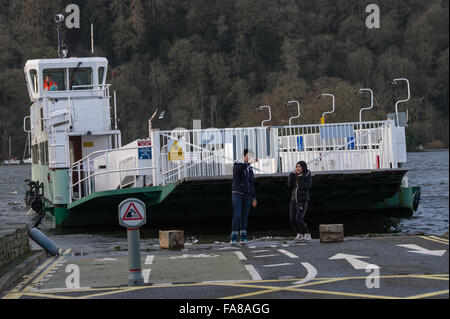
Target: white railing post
x=156, y=156
x=400, y=101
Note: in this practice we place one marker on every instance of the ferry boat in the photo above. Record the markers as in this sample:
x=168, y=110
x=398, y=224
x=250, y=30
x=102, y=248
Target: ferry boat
x=81, y=171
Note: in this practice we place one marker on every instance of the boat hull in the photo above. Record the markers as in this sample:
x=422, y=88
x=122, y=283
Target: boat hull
x=205, y=200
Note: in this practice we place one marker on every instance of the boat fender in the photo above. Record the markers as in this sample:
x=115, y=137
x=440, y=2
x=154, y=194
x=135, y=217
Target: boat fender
x=46, y=243
x=416, y=200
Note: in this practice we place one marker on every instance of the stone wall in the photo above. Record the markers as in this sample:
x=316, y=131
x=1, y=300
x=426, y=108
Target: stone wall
x=14, y=242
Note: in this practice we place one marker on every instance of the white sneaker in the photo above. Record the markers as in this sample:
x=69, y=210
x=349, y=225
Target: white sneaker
x=299, y=237
x=307, y=237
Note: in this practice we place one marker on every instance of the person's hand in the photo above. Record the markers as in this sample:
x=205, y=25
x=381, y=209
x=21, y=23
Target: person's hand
x=254, y=203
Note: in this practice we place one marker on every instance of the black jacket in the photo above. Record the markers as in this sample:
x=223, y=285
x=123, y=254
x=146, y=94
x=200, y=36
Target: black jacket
x=243, y=179
x=299, y=186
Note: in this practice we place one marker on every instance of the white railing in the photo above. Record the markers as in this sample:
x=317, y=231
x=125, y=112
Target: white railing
x=343, y=146
x=104, y=170
x=324, y=147
x=180, y=154
x=212, y=152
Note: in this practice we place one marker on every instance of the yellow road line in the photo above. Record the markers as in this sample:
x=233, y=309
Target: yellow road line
x=432, y=239
x=31, y=276
x=263, y=289
x=127, y=289
x=329, y=280
x=69, y=290
x=15, y=293
x=430, y=294
x=34, y=294
x=350, y=294
x=439, y=238
x=430, y=277
x=46, y=271
x=273, y=289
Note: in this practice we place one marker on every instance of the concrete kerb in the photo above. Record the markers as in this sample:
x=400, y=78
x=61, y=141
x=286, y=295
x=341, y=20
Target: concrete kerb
x=21, y=269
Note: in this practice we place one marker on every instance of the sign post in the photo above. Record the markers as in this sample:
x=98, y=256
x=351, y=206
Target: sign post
x=132, y=215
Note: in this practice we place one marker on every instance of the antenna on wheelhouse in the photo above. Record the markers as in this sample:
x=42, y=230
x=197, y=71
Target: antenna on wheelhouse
x=92, y=38
x=62, y=50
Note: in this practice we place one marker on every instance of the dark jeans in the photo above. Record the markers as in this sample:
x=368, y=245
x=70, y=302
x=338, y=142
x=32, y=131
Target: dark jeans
x=241, y=207
x=297, y=213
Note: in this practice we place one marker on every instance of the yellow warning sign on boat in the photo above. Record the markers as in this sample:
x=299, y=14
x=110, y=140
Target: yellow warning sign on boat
x=176, y=153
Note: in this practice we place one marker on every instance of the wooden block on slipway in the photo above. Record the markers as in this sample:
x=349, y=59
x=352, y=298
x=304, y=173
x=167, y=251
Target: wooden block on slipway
x=171, y=239
x=331, y=233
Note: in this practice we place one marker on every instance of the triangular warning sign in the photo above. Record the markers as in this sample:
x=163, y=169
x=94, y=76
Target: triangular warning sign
x=176, y=152
x=132, y=213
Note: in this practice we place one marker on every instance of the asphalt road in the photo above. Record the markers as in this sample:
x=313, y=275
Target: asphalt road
x=385, y=267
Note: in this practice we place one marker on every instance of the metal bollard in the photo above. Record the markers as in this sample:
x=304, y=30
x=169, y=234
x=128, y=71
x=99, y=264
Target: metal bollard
x=132, y=215
x=135, y=277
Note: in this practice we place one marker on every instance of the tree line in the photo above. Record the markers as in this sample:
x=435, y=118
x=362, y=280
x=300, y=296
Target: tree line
x=217, y=61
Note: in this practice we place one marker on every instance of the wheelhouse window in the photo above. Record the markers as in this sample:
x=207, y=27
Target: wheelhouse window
x=34, y=81
x=80, y=78
x=54, y=80
x=101, y=73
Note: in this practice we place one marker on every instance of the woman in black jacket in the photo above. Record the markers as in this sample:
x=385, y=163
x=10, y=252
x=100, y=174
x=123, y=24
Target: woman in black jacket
x=299, y=183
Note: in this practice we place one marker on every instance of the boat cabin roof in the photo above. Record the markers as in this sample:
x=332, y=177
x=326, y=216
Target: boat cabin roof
x=65, y=63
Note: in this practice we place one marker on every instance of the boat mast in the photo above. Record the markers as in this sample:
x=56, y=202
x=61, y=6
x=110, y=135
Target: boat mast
x=59, y=18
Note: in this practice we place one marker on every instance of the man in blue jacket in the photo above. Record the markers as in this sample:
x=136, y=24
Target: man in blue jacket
x=243, y=195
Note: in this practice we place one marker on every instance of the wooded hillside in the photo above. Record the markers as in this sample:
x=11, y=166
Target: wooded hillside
x=217, y=60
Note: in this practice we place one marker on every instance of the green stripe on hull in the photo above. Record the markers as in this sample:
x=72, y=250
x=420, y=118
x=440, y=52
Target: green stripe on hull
x=101, y=207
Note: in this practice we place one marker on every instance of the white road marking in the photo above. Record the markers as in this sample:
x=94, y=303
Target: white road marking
x=262, y=256
x=290, y=255
x=146, y=275
x=420, y=250
x=253, y=273
x=260, y=251
x=353, y=260
x=312, y=273
x=240, y=255
x=149, y=259
x=194, y=256
x=277, y=265
x=106, y=259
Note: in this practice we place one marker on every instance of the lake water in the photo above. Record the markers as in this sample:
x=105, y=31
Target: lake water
x=430, y=170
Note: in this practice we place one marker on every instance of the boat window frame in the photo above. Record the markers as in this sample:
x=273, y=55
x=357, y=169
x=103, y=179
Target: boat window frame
x=88, y=86
x=101, y=79
x=34, y=81
x=44, y=75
